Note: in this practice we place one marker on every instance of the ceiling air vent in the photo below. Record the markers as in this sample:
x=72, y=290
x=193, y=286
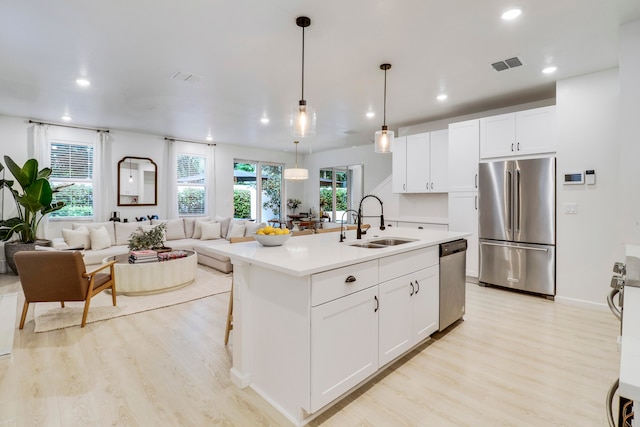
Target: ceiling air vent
x=506, y=64
x=185, y=76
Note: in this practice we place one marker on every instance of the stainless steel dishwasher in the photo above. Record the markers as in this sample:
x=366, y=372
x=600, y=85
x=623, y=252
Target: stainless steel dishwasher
x=453, y=266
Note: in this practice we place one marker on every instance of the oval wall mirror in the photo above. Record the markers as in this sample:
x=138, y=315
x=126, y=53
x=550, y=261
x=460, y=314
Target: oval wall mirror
x=137, y=182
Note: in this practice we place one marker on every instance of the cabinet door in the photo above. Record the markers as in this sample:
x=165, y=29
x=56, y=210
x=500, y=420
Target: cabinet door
x=399, y=165
x=418, y=163
x=463, y=216
x=425, y=303
x=439, y=161
x=344, y=345
x=498, y=136
x=536, y=130
x=394, y=320
x=464, y=155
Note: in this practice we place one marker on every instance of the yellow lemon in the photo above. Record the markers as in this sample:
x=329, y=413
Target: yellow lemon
x=285, y=230
x=260, y=231
x=278, y=231
x=268, y=229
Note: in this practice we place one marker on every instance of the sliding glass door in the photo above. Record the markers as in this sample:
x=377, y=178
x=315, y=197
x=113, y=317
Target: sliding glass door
x=257, y=190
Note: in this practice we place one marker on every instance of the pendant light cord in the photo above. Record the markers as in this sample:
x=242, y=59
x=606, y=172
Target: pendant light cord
x=302, y=63
x=384, y=114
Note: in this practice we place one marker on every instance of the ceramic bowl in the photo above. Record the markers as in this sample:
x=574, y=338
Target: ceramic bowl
x=271, y=240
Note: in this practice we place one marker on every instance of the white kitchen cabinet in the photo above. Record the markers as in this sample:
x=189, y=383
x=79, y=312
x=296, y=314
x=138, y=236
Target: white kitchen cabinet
x=391, y=223
x=409, y=312
x=399, y=165
x=420, y=163
x=464, y=155
x=344, y=345
x=422, y=225
x=463, y=217
x=520, y=133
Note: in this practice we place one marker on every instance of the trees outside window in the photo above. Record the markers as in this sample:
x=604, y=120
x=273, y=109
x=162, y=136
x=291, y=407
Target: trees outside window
x=72, y=163
x=192, y=188
x=257, y=190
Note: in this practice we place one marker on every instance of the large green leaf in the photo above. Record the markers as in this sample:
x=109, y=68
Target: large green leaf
x=25, y=175
x=36, y=196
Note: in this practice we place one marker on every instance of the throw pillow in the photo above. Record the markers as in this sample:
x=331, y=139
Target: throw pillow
x=210, y=230
x=224, y=225
x=99, y=238
x=77, y=238
x=197, y=229
x=252, y=227
x=190, y=224
x=175, y=228
x=231, y=224
x=236, y=230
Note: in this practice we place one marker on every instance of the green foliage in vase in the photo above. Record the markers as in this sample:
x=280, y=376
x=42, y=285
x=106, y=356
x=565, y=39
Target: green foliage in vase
x=151, y=239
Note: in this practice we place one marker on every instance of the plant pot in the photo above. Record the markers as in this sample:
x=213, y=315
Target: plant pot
x=11, y=248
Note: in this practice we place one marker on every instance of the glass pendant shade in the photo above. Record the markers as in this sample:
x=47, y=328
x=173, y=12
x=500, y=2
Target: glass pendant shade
x=383, y=140
x=303, y=120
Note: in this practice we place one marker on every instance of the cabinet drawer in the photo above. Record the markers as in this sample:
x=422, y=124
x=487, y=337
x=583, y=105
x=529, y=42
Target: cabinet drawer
x=407, y=262
x=423, y=225
x=332, y=284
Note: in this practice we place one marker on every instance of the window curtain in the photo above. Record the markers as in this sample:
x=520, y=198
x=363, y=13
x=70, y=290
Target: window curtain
x=172, y=180
x=42, y=153
x=103, y=192
x=211, y=180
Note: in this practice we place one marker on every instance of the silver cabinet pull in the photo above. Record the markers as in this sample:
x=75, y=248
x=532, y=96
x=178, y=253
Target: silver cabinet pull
x=476, y=180
x=476, y=202
x=518, y=146
x=512, y=147
x=350, y=279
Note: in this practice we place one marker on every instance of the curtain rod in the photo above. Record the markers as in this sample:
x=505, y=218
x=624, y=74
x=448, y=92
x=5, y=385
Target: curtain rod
x=168, y=138
x=68, y=126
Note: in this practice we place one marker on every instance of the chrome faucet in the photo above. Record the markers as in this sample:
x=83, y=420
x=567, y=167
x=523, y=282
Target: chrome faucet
x=382, y=226
x=342, y=235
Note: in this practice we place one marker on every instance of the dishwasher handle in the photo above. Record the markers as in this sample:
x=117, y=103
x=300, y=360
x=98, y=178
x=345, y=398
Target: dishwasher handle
x=454, y=247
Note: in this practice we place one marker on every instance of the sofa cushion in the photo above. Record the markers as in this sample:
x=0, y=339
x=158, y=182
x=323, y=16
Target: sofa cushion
x=99, y=238
x=125, y=229
x=252, y=227
x=236, y=229
x=175, y=228
x=190, y=223
x=108, y=225
x=224, y=225
x=93, y=257
x=203, y=248
x=77, y=238
x=181, y=244
x=210, y=230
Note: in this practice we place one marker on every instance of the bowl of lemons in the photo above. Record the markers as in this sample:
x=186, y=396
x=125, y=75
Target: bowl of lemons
x=272, y=236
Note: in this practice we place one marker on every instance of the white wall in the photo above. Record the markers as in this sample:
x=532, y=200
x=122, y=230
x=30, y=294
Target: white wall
x=588, y=242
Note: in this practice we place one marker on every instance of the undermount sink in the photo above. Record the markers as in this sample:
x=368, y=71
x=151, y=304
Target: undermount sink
x=383, y=243
x=392, y=241
x=368, y=245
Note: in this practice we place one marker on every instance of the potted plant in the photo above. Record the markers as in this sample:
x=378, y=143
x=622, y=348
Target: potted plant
x=293, y=204
x=152, y=239
x=33, y=203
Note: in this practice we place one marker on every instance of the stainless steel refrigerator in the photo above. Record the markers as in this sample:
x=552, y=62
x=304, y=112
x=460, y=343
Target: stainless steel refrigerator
x=517, y=224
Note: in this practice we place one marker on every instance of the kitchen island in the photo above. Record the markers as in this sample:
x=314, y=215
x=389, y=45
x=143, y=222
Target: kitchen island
x=314, y=318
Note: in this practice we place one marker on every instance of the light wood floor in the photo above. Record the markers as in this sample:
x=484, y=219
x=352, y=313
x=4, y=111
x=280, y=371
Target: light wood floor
x=516, y=360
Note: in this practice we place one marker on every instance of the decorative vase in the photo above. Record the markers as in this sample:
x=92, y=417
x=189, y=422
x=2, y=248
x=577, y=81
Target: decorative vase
x=11, y=248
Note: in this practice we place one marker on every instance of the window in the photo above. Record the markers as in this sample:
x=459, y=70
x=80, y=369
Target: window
x=340, y=189
x=192, y=189
x=257, y=184
x=72, y=163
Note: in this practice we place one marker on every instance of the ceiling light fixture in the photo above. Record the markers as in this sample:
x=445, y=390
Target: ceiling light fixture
x=264, y=120
x=383, y=137
x=83, y=82
x=209, y=138
x=371, y=114
x=296, y=173
x=549, y=70
x=303, y=118
x=511, y=14
x=442, y=97
x=66, y=118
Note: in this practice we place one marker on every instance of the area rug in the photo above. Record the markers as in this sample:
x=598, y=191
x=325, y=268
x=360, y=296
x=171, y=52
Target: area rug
x=8, y=304
x=50, y=316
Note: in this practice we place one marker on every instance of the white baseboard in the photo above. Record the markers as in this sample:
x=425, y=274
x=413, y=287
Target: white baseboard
x=8, y=306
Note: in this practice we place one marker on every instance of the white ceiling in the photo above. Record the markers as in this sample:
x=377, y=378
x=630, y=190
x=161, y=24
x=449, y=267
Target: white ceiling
x=246, y=59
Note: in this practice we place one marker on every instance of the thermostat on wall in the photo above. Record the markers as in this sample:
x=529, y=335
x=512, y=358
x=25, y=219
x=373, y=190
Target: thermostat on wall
x=591, y=176
x=573, y=178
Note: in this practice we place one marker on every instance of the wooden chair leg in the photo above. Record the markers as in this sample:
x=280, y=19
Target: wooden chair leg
x=229, y=316
x=113, y=293
x=62, y=304
x=86, y=311
x=25, y=307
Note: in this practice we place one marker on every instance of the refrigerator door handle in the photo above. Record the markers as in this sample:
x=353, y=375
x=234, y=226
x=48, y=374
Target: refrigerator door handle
x=516, y=205
x=515, y=247
x=510, y=201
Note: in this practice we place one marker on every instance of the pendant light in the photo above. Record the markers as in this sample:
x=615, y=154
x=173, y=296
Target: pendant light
x=296, y=173
x=384, y=137
x=303, y=118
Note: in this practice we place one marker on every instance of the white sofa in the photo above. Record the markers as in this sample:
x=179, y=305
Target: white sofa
x=105, y=239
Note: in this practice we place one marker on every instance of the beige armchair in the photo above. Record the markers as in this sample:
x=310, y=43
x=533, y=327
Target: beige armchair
x=48, y=276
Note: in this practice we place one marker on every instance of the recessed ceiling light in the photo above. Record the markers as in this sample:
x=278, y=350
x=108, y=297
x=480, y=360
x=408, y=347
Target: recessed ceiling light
x=66, y=118
x=264, y=120
x=549, y=70
x=442, y=97
x=83, y=82
x=209, y=138
x=370, y=114
x=511, y=14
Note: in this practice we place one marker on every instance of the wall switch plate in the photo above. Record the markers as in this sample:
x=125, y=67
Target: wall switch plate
x=570, y=208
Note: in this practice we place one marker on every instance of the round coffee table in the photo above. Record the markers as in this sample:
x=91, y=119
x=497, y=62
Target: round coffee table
x=153, y=277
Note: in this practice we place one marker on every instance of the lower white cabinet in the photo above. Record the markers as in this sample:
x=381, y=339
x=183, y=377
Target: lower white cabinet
x=409, y=312
x=344, y=345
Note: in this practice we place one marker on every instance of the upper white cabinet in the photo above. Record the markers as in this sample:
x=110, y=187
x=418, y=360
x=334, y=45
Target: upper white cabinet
x=521, y=133
x=420, y=163
x=464, y=155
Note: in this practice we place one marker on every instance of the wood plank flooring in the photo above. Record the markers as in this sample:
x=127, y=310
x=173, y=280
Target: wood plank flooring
x=516, y=360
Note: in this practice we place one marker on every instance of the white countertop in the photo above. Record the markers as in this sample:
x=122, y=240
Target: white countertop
x=305, y=255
